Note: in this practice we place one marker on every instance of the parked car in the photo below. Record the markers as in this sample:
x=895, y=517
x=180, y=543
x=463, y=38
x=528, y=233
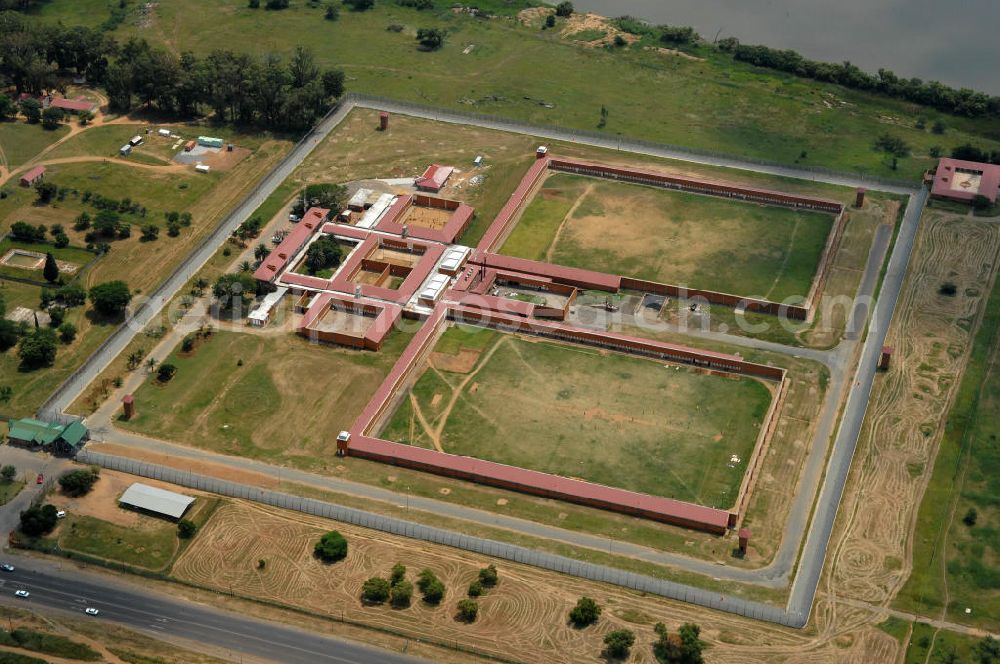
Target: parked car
x=61, y=514
x=39, y=479
x=22, y=593
x=91, y=611
x=7, y=567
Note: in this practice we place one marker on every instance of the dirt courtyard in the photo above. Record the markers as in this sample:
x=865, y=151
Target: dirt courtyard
x=427, y=217
x=672, y=237
x=664, y=430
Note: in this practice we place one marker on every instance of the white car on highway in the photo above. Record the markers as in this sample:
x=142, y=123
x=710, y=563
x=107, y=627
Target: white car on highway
x=7, y=567
x=91, y=611
x=21, y=593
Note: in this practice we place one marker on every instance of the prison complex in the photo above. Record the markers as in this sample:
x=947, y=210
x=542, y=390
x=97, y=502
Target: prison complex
x=403, y=259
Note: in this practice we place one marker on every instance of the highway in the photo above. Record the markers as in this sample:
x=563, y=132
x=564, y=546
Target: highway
x=843, y=360
x=68, y=588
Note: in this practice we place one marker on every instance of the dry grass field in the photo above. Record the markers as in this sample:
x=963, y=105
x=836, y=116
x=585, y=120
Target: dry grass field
x=671, y=237
x=605, y=417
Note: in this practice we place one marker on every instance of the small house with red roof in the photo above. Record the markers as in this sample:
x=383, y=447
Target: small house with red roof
x=434, y=178
x=33, y=176
x=78, y=105
x=960, y=180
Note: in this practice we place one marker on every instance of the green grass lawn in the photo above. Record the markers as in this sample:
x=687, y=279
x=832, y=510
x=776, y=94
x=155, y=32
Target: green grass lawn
x=966, y=476
x=607, y=418
x=929, y=645
x=263, y=408
x=20, y=141
x=151, y=544
x=713, y=103
x=672, y=237
x=8, y=490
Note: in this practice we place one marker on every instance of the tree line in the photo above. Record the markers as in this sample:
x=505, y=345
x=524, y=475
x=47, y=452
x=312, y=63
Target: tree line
x=937, y=95
x=268, y=90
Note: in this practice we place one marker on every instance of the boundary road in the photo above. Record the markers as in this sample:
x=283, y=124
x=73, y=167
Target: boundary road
x=67, y=588
x=817, y=539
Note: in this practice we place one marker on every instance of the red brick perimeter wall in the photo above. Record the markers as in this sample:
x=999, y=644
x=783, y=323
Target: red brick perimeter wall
x=665, y=510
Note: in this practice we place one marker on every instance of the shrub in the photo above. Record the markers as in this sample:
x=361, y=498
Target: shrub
x=431, y=587
x=618, y=643
x=550, y=21
x=360, y=5
x=375, y=590
x=431, y=38
x=468, y=610
x=8, y=473
x=61, y=240
x=331, y=547
x=398, y=573
x=56, y=314
x=165, y=372
x=78, y=482
x=71, y=295
x=488, y=576
x=150, y=232
x=947, y=288
x=970, y=517
x=475, y=589
x=253, y=4
x=401, y=594
x=186, y=529
x=586, y=612
x=187, y=345
x=564, y=9
x=67, y=331
x=332, y=12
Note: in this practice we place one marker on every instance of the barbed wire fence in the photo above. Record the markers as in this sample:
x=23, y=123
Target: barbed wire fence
x=480, y=545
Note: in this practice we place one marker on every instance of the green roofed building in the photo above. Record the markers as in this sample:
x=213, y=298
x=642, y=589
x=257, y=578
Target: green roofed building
x=55, y=438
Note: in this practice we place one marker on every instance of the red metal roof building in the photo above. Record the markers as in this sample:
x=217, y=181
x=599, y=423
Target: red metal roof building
x=32, y=176
x=278, y=259
x=961, y=180
x=433, y=178
x=77, y=105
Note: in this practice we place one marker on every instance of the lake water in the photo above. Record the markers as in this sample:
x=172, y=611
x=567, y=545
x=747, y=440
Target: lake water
x=952, y=42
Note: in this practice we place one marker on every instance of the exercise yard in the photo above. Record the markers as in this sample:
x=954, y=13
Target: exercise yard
x=604, y=417
x=672, y=237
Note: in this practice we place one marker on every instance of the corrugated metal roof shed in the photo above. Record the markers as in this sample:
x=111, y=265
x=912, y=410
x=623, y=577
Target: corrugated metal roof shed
x=153, y=499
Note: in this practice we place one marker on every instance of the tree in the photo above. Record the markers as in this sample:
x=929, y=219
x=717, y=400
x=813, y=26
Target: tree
x=550, y=21
x=32, y=110
x=488, y=576
x=586, y=612
x=322, y=254
x=970, y=517
x=110, y=298
x=360, y=5
x=475, y=588
x=78, y=483
x=276, y=4
x=39, y=520
x=685, y=647
x=8, y=109
x=333, y=82
x=938, y=127
x=107, y=223
x=186, y=529
x=67, y=332
x=331, y=547
x=71, y=295
x=987, y=651
x=401, y=594
x=84, y=118
x=375, y=590
x=398, y=573
x=150, y=232
x=892, y=145
x=981, y=202
x=233, y=287
x=45, y=192
x=165, y=372
x=8, y=473
x=431, y=587
x=25, y=232
x=51, y=269
x=6, y=393
x=61, y=241
x=947, y=288
x=564, y=9
x=52, y=117
x=323, y=195
x=468, y=610
x=38, y=349
x=618, y=643
x=431, y=39
x=332, y=12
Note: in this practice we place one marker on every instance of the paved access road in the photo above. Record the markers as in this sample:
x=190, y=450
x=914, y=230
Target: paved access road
x=69, y=588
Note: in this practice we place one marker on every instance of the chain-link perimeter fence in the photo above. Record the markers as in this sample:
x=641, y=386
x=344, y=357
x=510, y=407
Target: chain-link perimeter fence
x=519, y=554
